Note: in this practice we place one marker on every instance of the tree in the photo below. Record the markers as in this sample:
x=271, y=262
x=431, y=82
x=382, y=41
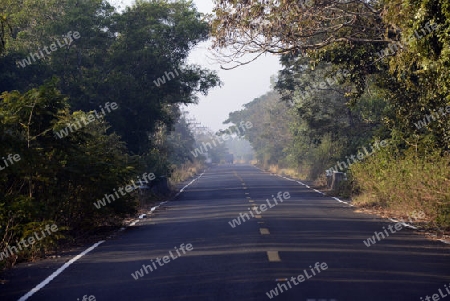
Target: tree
x=269, y=134
x=257, y=27
x=119, y=58
x=136, y=60
x=147, y=73
x=5, y=30
x=180, y=142
x=57, y=180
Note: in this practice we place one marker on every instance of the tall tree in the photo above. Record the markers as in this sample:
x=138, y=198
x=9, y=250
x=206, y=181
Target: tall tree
x=257, y=27
x=147, y=74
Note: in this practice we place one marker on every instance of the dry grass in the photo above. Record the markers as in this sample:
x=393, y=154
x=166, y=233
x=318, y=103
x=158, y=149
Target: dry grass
x=185, y=172
x=287, y=172
x=405, y=185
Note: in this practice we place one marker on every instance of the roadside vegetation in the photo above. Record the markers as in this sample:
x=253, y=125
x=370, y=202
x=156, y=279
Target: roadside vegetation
x=114, y=60
x=395, y=55
x=354, y=73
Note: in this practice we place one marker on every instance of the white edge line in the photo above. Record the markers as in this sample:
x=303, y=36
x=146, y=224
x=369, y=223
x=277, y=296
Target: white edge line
x=186, y=186
x=58, y=271
x=415, y=228
x=67, y=264
x=403, y=224
x=348, y=203
x=133, y=223
x=351, y=205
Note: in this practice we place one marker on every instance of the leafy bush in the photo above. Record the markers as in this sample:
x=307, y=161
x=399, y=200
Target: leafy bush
x=406, y=182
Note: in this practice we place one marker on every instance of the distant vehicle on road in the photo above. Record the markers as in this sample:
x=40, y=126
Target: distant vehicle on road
x=229, y=158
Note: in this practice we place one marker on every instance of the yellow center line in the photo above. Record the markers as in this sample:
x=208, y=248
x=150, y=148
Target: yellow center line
x=273, y=256
x=264, y=231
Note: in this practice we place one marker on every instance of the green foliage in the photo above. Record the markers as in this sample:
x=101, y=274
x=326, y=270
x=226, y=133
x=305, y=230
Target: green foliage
x=180, y=142
x=270, y=132
x=325, y=128
x=256, y=27
x=390, y=88
x=153, y=38
x=116, y=59
x=212, y=148
x=405, y=182
x=419, y=82
x=5, y=30
x=56, y=180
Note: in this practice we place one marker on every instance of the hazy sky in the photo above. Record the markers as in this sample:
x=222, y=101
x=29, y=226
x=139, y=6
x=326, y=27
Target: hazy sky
x=241, y=85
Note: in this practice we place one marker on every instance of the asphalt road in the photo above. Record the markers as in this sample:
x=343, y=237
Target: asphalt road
x=248, y=261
